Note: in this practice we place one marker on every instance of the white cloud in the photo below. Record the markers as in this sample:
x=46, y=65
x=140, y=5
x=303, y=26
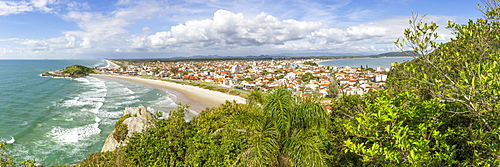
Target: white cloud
x=103, y=28
x=14, y=7
x=86, y=43
x=228, y=30
x=77, y=6
x=124, y=2
x=42, y=4
x=71, y=40
x=11, y=7
x=232, y=32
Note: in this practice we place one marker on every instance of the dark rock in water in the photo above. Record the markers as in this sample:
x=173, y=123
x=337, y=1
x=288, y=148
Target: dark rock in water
x=137, y=120
x=59, y=74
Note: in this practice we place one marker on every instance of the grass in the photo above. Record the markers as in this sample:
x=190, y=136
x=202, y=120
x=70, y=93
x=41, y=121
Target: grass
x=235, y=92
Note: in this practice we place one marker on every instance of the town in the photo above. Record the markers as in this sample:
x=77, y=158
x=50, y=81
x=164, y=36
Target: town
x=303, y=76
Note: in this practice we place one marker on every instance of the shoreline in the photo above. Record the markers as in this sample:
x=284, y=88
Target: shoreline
x=113, y=65
x=197, y=98
x=317, y=62
x=365, y=58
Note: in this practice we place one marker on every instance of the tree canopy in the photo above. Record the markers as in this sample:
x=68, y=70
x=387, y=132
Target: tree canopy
x=78, y=70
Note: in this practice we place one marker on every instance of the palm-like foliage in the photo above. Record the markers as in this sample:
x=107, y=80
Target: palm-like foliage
x=288, y=134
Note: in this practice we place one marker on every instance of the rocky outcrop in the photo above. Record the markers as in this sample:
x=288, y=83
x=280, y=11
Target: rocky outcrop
x=135, y=119
x=61, y=74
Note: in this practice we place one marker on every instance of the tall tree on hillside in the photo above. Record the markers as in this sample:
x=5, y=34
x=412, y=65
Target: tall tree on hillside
x=164, y=145
x=463, y=74
x=333, y=88
x=289, y=132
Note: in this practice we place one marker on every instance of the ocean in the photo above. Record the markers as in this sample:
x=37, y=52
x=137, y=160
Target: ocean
x=59, y=121
x=370, y=62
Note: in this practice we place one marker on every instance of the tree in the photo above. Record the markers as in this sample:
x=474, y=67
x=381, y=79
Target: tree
x=399, y=130
x=310, y=63
x=333, y=88
x=463, y=74
x=164, y=145
x=289, y=133
x=78, y=70
x=219, y=135
x=307, y=77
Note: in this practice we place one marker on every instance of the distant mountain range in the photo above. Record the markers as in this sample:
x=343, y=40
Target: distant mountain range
x=388, y=54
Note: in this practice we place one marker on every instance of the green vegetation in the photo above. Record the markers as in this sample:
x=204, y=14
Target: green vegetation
x=441, y=109
x=310, y=63
x=6, y=160
x=308, y=77
x=235, y=92
x=121, y=129
x=78, y=70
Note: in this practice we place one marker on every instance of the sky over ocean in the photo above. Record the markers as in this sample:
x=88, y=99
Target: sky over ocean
x=69, y=29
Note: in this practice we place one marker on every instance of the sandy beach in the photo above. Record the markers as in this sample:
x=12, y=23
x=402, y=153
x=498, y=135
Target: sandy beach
x=197, y=98
x=114, y=65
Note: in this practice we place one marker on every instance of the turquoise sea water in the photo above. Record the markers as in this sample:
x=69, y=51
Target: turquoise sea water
x=370, y=62
x=61, y=120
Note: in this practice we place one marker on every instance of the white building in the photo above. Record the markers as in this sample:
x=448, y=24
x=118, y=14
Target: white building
x=380, y=78
x=291, y=76
x=235, y=68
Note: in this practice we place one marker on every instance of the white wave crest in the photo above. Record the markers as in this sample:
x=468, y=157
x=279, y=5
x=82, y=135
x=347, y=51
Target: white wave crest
x=73, y=135
x=92, y=98
x=101, y=64
x=12, y=140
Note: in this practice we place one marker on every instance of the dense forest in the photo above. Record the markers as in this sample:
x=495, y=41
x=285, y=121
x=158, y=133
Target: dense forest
x=441, y=109
x=78, y=70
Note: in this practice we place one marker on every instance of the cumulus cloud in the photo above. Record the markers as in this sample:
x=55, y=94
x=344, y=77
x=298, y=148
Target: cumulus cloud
x=233, y=31
x=227, y=30
x=42, y=4
x=17, y=7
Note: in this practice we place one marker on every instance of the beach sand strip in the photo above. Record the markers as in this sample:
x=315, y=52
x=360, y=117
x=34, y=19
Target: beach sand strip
x=197, y=98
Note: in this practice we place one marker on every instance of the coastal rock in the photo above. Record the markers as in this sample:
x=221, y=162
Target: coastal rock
x=55, y=74
x=136, y=120
x=61, y=74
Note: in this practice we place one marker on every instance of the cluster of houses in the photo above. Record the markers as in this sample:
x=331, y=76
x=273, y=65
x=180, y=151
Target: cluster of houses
x=302, y=76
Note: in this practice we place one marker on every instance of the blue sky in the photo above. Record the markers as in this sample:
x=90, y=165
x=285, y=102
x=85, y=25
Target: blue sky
x=67, y=29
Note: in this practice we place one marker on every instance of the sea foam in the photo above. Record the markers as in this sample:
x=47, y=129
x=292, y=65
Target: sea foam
x=12, y=140
x=73, y=135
